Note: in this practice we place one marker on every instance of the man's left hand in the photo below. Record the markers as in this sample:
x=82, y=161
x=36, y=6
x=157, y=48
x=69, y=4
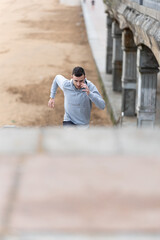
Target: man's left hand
x=85, y=88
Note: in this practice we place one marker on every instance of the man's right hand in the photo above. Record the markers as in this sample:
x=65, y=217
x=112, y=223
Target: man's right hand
x=51, y=103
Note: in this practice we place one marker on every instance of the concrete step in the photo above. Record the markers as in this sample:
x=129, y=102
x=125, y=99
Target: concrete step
x=84, y=237
x=73, y=183
x=92, y=141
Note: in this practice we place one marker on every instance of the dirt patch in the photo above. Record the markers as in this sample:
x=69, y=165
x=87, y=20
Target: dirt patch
x=36, y=94
x=67, y=25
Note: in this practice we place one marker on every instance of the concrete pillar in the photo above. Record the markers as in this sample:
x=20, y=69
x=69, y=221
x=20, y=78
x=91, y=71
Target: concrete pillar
x=109, y=45
x=147, y=68
x=117, y=57
x=129, y=73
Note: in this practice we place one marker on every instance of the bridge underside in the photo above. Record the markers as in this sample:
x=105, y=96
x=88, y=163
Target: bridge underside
x=133, y=57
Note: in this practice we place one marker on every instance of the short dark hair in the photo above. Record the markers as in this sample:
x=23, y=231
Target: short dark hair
x=78, y=71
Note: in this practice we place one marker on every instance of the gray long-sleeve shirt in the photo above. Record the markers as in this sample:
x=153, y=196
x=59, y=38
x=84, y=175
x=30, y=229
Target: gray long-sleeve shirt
x=77, y=103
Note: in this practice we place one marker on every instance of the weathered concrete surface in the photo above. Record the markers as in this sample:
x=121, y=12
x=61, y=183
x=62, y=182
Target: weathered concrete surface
x=79, y=184
x=93, y=141
x=87, y=194
x=8, y=167
x=15, y=142
x=129, y=73
x=84, y=237
x=144, y=23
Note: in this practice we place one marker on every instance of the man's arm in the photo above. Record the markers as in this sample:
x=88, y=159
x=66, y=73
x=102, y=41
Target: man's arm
x=51, y=103
x=94, y=95
x=57, y=82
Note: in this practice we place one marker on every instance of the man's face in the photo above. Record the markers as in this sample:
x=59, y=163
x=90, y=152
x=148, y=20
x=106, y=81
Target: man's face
x=77, y=81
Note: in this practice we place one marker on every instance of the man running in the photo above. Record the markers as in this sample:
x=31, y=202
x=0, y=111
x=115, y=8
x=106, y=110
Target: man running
x=79, y=93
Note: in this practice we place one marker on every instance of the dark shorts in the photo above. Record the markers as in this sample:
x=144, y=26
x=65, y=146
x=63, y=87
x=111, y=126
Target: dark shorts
x=68, y=123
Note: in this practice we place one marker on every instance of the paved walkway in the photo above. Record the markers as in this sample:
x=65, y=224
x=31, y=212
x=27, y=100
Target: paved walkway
x=95, y=20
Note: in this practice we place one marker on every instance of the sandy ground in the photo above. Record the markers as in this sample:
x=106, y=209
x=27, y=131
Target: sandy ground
x=39, y=39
